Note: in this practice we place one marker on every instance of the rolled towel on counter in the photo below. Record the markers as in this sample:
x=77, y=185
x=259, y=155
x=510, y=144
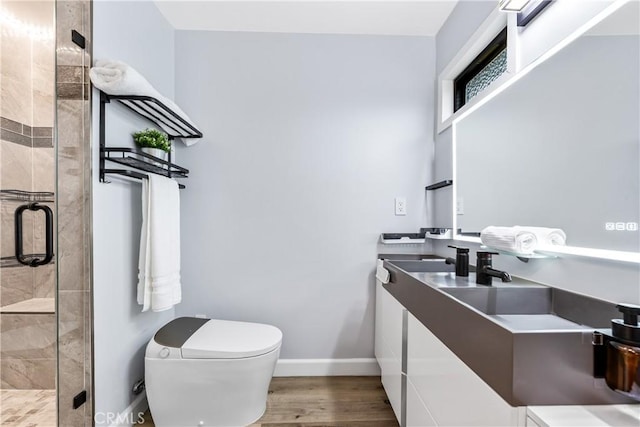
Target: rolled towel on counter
x=510, y=239
x=548, y=236
x=118, y=78
x=519, y=239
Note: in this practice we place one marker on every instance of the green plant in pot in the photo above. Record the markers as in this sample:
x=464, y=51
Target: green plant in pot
x=154, y=142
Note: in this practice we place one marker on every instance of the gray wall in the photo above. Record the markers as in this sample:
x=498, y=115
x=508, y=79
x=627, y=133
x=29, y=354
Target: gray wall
x=308, y=139
x=614, y=281
x=134, y=32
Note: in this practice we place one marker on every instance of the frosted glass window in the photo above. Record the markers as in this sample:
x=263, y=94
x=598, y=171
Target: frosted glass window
x=486, y=76
x=490, y=64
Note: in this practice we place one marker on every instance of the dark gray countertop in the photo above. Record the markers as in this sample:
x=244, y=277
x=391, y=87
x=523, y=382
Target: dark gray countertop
x=524, y=362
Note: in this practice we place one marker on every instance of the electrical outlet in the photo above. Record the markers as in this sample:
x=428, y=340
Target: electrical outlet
x=460, y=206
x=401, y=206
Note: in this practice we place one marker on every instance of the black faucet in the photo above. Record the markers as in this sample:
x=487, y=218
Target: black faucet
x=461, y=262
x=484, y=272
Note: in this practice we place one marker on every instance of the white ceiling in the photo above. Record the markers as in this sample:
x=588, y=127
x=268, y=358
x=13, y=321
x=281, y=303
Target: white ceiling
x=410, y=18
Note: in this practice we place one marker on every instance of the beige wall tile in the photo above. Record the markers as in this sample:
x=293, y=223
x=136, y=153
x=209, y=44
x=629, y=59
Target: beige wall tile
x=71, y=353
x=71, y=74
x=69, y=16
x=73, y=187
x=15, y=105
x=43, y=109
x=70, y=118
x=17, y=55
x=16, y=284
x=28, y=336
x=44, y=281
x=28, y=373
x=43, y=77
x=71, y=236
x=27, y=65
x=7, y=228
x=15, y=81
x=15, y=169
x=44, y=172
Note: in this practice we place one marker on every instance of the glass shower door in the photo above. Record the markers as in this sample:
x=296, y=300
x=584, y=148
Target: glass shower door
x=28, y=289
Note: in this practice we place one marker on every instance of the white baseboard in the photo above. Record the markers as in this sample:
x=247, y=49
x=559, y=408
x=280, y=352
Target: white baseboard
x=326, y=367
x=130, y=415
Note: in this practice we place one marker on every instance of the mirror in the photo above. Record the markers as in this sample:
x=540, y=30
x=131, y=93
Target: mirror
x=560, y=147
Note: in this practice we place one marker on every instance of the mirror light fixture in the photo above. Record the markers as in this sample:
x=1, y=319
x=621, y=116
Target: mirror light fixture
x=512, y=5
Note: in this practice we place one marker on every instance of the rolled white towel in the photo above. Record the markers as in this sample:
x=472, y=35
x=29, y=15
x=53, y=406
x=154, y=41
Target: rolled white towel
x=511, y=239
x=547, y=236
x=119, y=78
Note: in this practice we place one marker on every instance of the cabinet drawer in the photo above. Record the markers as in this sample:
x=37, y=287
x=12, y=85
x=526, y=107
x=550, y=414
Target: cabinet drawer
x=388, y=345
x=531, y=423
x=417, y=413
x=388, y=319
x=451, y=391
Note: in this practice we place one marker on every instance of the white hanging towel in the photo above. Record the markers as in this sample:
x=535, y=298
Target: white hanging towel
x=159, y=286
x=119, y=78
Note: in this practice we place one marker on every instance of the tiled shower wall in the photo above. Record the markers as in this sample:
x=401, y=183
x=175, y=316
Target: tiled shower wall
x=28, y=160
x=74, y=212
x=27, y=340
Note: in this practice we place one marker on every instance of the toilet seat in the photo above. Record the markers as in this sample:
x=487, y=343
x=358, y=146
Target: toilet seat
x=223, y=339
x=194, y=338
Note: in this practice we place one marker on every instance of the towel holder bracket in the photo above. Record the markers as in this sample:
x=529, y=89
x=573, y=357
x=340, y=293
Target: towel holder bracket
x=131, y=158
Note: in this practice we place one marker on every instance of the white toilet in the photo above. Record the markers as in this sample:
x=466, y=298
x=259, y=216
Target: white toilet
x=207, y=372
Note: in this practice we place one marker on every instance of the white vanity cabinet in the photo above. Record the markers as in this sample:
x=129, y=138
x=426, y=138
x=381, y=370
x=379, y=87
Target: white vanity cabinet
x=448, y=392
x=388, y=345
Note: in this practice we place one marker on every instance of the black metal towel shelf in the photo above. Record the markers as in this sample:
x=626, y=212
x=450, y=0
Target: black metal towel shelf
x=441, y=184
x=154, y=110
x=159, y=114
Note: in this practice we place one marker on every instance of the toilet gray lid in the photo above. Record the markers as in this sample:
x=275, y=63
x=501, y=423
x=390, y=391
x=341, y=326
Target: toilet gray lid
x=178, y=331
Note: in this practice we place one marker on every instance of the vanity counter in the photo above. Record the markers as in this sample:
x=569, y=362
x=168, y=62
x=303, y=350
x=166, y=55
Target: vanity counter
x=530, y=343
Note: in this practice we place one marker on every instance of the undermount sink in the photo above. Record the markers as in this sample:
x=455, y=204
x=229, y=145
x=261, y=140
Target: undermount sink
x=524, y=308
x=504, y=300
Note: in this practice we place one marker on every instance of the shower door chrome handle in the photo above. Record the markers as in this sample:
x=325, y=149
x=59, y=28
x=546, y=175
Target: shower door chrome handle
x=48, y=215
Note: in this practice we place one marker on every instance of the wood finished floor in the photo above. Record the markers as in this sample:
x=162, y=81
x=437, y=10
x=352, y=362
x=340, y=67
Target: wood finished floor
x=325, y=402
x=28, y=408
